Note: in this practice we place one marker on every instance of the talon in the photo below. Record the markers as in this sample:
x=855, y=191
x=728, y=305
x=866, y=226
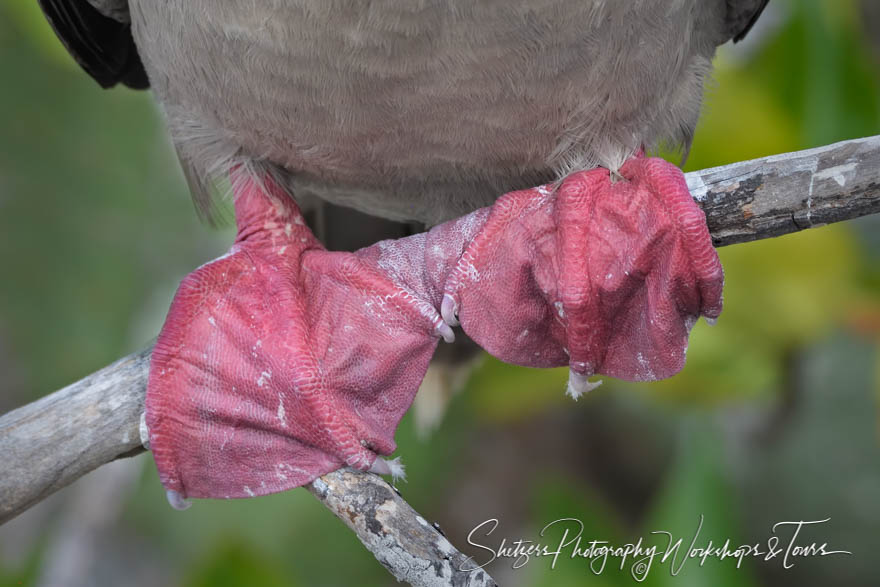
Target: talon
x=177, y=500
x=449, y=310
x=445, y=332
x=579, y=384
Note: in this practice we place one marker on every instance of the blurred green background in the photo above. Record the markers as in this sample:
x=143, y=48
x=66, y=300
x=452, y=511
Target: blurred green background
x=774, y=418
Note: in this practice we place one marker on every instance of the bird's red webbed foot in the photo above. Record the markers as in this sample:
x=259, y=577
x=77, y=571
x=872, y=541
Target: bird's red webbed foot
x=605, y=276
x=281, y=361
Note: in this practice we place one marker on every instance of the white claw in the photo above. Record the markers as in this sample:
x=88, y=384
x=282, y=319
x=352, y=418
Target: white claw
x=449, y=309
x=176, y=500
x=579, y=384
x=444, y=330
x=391, y=467
x=711, y=321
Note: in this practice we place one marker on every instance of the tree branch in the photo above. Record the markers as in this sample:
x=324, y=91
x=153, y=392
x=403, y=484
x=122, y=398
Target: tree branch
x=786, y=193
x=55, y=440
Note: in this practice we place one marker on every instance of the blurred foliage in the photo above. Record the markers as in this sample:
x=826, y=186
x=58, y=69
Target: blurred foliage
x=96, y=230
x=236, y=563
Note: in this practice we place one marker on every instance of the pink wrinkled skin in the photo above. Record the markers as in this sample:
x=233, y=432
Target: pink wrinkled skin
x=605, y=277
x=282, y=361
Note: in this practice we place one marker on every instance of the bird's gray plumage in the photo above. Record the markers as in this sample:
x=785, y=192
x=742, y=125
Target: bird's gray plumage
x=426, y=109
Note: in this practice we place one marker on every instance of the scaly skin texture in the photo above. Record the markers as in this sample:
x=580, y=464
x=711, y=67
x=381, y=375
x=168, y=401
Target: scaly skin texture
x=281, y=361
x=607, y=277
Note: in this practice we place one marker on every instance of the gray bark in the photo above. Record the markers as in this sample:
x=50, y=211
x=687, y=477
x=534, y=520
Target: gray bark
x=53, y=441
x=50, y=443
x=786, y=193
x=402, y=540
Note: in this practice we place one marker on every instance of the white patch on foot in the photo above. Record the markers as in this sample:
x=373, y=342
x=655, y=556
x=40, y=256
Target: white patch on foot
x=560, y=310
x=281, y=417
x=646, y=373
x=282, y=470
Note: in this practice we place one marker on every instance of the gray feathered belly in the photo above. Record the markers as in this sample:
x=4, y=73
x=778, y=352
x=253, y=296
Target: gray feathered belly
x=422, y=110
